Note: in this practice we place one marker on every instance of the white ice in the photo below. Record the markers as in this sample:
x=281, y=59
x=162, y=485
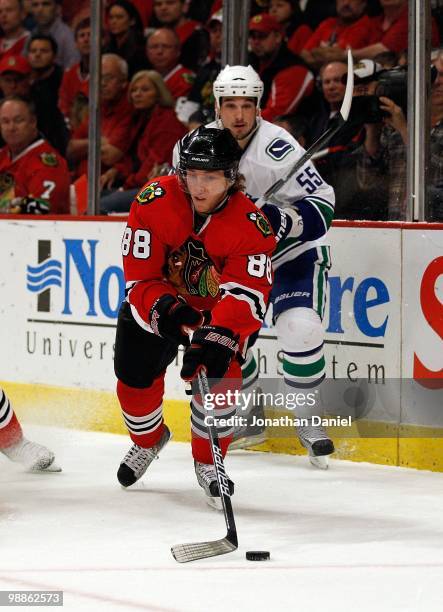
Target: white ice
x=357, y=537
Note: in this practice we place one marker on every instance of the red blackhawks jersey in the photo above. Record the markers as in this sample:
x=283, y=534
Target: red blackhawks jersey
x=221, y=262
x=38, y=172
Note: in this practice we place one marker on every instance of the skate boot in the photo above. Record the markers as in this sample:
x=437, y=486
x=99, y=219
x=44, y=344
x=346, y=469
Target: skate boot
x=315, y=439
x=35, y=457
x=207, y=479
x=138, y=459
x=249, y=435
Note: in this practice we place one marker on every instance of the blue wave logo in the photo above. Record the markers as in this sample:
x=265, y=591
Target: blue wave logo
x=46, y=274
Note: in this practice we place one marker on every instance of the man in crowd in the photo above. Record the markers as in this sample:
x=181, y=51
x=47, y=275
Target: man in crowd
x=382, y=159
x=115, y=118
x=286, y=78
x=193, y=39
x=350, y=28
x=34, y=177
x=33, y=456
x=15, y=73
x=163, y=53
x=335, y=162
x=74, y=88
x=387, y=32
x=46, y=78
x=47, y=17
x=14, y=36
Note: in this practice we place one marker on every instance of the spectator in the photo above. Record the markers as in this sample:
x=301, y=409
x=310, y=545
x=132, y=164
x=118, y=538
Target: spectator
x=383, y=155
x=75, y=83
x=351, y=28
x=290, y=17
x=282, y=72
x=47, y=17
x=15, y=74
x=46, y=78
x=386, y=32
x=153, y=132
x=15, y=36
x=163, y=52
x=193, y=39
x=296, y=125
x=200, y=97
x=46, y=75
x=34, y=173
x=125, y=34
x=115, y=118
x=15, y=80
x=390, y=30
x=335, y=162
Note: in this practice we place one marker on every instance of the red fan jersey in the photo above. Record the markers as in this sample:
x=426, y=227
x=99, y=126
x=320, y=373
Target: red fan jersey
x=220, y=263
x=179, y=81
x=40, y=172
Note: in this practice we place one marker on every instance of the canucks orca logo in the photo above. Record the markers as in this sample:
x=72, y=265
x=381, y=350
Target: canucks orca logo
x=260, y=222
x=279, y=148
x=150, y=193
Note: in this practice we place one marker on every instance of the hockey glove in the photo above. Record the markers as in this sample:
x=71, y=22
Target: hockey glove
x=170, y=318
x=212, y=349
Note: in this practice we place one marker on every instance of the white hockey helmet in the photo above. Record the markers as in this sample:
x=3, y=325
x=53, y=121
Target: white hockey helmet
x=238, y=81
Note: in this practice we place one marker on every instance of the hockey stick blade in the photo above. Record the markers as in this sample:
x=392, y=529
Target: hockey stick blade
x=342, y=117
x=201, y=550
x=183, y=553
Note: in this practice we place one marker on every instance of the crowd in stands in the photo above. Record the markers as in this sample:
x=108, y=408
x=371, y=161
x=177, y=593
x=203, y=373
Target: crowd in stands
x=159, y=60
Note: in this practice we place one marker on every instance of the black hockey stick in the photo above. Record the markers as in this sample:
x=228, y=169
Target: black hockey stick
x=200, y=550
x=342, y=117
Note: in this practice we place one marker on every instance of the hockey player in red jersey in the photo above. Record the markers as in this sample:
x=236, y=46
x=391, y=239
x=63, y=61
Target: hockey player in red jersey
x=196, y=256
x=16, y=447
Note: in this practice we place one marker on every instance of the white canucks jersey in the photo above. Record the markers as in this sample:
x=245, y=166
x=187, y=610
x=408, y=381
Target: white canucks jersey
x=269, y=156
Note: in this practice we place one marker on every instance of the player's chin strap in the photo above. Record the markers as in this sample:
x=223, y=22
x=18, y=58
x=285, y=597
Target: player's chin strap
x=320, y=142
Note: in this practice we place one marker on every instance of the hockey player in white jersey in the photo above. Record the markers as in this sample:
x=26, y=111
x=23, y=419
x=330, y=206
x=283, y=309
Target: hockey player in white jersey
x=301, y=263
x=33, y=456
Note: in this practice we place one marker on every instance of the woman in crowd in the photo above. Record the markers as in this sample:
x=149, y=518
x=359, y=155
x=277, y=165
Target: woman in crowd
x=125, y=31
x=290, y=17
x=154, y=131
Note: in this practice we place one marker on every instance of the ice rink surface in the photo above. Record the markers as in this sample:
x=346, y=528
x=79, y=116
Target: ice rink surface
x=358, y=537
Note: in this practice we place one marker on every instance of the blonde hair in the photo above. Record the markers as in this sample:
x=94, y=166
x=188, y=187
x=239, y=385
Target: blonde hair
x=164, y=95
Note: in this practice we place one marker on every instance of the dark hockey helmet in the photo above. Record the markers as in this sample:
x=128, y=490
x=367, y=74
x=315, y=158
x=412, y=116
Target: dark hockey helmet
x=209, y=149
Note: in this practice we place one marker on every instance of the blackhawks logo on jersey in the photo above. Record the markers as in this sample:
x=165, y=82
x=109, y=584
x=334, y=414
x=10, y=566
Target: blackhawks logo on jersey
x=149, y=193
x=191, y=272
x=49, y=159
x=260, y=222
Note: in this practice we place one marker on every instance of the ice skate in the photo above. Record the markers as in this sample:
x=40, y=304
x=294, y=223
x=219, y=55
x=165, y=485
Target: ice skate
x=138, y=459
x=35, y=457
x=319, y=446
x=249, y=435
x=207, y=479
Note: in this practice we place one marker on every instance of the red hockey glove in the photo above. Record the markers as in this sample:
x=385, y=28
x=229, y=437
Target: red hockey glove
x=212, y=349
x=171, y=317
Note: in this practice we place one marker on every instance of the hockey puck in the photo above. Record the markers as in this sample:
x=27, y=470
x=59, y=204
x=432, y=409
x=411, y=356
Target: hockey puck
x=258, y=555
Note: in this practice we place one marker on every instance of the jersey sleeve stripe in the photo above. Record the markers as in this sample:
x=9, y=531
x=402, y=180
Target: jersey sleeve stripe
x=254, y=298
